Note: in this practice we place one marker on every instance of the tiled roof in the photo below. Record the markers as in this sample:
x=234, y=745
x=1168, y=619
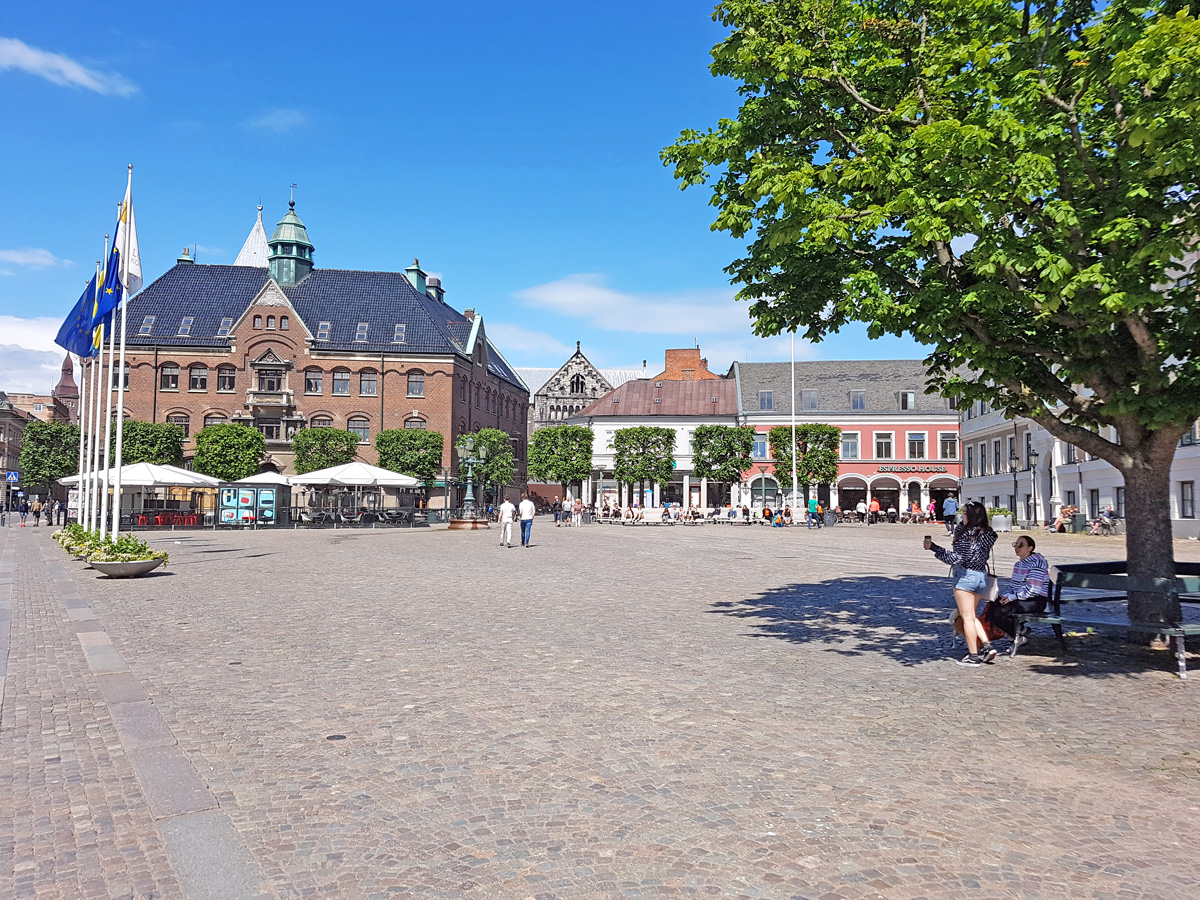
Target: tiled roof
x=536, y=378
x=882, y=380
x=645, y=397
x=341, y=297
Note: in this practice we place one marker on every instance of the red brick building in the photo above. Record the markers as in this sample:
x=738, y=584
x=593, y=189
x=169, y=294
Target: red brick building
x=283, y=345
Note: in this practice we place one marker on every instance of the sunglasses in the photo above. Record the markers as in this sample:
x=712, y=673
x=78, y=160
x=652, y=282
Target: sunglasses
x=1020, y=544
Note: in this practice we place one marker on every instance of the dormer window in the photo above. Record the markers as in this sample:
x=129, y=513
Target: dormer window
x=361, y=334
x=258, y=321
x=322, y=331
x=147, y=325
x=226, y=324
x=185, y=326
x=399, y=336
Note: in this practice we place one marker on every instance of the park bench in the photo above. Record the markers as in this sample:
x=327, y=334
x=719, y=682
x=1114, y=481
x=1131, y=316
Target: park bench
x=1110, y=579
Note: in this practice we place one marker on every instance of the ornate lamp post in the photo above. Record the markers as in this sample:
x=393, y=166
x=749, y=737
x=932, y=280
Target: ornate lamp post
x=1033, y=461
x=1014, y=463
x=471, y=460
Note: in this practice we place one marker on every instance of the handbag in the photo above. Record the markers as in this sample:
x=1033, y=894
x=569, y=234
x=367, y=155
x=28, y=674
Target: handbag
x=991, y=589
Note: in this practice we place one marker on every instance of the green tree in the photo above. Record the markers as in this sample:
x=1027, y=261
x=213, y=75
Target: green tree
x=411, y=451
x=561, y=453
x=49, y=451
x=817, y=450
x=642, y=455
x=497, y=468
x=320, y=448
x=229, y=452
x=721, y=453
x=1011, y=184
x=160, y=443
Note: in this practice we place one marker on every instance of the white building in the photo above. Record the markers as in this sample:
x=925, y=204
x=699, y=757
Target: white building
x=997, y=469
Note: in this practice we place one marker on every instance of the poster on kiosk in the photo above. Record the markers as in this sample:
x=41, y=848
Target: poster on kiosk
x=247, y=506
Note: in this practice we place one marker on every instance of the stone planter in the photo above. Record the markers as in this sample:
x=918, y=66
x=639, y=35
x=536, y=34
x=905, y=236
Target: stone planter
x=127, y=569
x=1002, y=523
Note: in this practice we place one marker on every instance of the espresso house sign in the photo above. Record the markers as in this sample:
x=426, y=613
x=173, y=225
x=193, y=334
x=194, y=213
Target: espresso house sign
x=906, y=469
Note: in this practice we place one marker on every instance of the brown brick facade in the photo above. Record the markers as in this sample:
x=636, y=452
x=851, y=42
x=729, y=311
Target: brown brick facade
x=685, y=365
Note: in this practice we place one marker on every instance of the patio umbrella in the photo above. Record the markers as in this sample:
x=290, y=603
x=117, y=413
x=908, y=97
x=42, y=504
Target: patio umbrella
x=356, y=474
x=145, y=474
x=266, y=479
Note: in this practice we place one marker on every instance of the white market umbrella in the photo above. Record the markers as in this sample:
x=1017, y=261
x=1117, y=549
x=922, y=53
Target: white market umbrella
x=150, y=475
x=266, y=478
x=356, y=474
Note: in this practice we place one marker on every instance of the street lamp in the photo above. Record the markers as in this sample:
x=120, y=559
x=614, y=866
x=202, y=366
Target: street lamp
x=1014, y=463
x=1033, y=461
x=471, y=460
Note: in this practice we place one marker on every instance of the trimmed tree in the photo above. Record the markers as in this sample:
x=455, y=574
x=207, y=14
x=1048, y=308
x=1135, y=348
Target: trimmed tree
x=320, y=448
x=229, y=452
x=644, y=454
x=817, y=450
x=159, y=443
x=1012, y=184
x=497, y=468
x=49, y=451
x=561, y=453
x=411, y=451
x=721, y=453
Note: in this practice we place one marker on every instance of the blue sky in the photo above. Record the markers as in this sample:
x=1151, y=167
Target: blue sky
x=512, y=147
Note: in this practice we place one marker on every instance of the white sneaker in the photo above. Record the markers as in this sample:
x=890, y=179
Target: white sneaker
x=1021, y=640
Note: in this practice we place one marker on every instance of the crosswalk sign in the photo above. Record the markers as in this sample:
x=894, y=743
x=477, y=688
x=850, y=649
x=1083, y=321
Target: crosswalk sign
x=12, y=478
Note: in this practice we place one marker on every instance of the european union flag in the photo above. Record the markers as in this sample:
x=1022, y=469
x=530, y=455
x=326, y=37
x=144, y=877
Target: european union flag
x=110, y=292
x=75, y=336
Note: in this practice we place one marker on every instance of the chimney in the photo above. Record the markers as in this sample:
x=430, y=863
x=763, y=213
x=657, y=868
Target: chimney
x=433, y=288
x=470, y=314
x=185, y=258
x=415, y=276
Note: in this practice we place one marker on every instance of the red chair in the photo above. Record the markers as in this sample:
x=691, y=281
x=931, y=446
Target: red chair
x=142, y=519
x=160, y=519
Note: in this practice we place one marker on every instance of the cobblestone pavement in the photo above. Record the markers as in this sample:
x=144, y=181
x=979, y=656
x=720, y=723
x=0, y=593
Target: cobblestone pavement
x=615, y=712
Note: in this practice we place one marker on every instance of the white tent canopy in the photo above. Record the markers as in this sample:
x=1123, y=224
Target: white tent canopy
x=265, y=479
x=356, y=474
x=143, y=474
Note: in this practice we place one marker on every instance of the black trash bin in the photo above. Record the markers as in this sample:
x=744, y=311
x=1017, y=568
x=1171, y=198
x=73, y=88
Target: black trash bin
x=830, y=518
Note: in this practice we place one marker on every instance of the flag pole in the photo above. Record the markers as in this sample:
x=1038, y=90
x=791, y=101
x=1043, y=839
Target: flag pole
x=108, y=410
x=795, y=498
x=80, y=465
x=127, y=219
x=97, y=376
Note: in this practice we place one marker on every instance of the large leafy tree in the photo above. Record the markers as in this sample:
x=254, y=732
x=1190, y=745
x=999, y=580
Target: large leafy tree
x=160, y=443
x=1013, y=184
x=411, y=451
x=498, y=466
x=229, y=452
x=816, y=449
x=561, y=454
x=721, y=453
x=49, y=451
x=320, y=448
x=644, y=455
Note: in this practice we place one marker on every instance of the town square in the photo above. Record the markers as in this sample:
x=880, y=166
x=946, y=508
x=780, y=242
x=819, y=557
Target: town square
x=538, y=451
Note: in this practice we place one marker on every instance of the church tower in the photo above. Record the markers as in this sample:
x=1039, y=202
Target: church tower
x=290, y=259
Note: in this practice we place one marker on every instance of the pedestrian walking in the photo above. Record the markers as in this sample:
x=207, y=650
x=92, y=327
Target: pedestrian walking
x=577, y=512
x=526, y=511
x=873, y=511
x=36, y=509
x=566, y=511
x=813, y=516
x=861, y=511
x=23, y=509
x=950, y=512
x=507, y=513
x=968, y=559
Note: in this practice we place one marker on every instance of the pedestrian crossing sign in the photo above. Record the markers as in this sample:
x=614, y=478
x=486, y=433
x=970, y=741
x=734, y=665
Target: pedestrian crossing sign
x=11, y=478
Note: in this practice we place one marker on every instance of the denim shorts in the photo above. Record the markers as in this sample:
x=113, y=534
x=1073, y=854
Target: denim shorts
x=972, y=580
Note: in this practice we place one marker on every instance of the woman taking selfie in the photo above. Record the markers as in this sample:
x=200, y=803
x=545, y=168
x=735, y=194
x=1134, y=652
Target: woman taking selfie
x=968, y=558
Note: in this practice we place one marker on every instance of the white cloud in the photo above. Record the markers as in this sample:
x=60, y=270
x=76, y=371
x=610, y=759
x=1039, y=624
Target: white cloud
x=33, y=257
x=513, y=340
x=31, y=334
x=280, y=121
x=35, y=371
x=587, y=297
x=59, y=69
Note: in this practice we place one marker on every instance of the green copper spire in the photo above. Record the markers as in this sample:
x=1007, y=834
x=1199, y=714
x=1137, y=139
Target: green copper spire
x=290, y=259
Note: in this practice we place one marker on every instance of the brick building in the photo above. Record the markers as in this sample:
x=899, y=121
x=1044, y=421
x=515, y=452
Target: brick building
x=276, y=344
x=685, y=365
x=60, y=405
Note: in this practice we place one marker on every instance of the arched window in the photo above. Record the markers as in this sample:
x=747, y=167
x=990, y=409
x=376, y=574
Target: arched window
x=416, y=384
x=577, y=384
x=341, y=382
x=283, y=323
x=114, y=378
x=271, y=323
x=168, y=377
x=462, y=388
x=198, y=378
x=361, y=427
x=183, y=420
x=415, y=424
x=226, y=378
x=368, y=383
x=314, y=381
x=477, y=393
x=320, y=422
x=214, y=419
x=258, y=321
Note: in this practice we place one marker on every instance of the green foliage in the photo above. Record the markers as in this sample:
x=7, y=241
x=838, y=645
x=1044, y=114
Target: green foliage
x=77, y=540
x=999, y=511
x=411, y=451
x=644, y=454
x=497, y=467
x=561, y=453
x=160, y=443
x=49, y=451
x=1012, y=185
x=817, y=450
x=320, y=448
x=721, y=453
x=229, y=452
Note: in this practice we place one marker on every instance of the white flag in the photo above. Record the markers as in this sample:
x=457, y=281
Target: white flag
x=126, y=245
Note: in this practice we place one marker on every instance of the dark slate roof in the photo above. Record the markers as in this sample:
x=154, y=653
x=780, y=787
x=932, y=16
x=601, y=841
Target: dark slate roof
x=341, y=297
x=882, y=379
x=675, y=398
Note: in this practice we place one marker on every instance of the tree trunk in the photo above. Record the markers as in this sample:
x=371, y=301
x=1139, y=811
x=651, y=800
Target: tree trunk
x=1149, y=550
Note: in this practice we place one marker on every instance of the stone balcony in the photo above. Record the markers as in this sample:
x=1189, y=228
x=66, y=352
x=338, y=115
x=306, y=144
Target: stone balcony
x=279, y=400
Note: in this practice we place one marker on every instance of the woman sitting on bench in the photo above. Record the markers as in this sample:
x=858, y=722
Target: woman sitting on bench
x=1028, y=591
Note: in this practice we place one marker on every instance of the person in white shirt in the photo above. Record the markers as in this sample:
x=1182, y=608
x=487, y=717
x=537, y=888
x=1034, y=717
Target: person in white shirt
x=861, y=510
x=527, y=511
x=508, y=512
x=566, y=511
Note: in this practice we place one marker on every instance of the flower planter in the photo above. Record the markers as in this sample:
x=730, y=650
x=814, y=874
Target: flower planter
x=1001, y=523
x=126, y=569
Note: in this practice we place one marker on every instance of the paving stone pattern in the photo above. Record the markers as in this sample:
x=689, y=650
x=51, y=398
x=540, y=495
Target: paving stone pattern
x=616, y=712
